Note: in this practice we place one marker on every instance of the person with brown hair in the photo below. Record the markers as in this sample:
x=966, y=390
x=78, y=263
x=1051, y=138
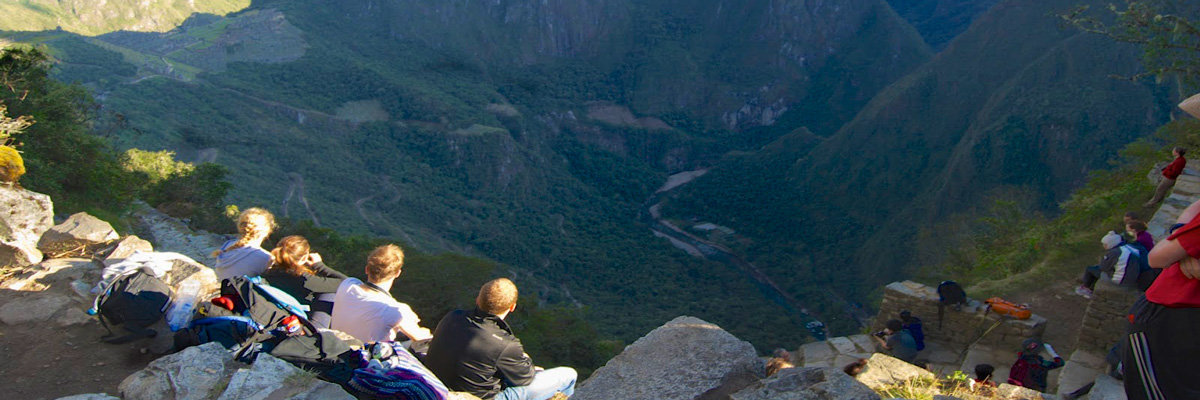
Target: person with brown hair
x=245, y=255
x=476, y=352
x=301, y=273
x=1137, y=230
x=367, y=310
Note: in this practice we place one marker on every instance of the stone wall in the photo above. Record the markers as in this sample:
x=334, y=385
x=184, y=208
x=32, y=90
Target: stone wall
x=1104, y=321
x=960, y=328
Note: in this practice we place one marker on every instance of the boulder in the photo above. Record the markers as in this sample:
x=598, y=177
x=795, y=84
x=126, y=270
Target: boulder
x=78, y=232
x=30, y=309
x=682, y=359
x=272, y=378
x=127, y=246
x=807, y=384
x=1007, y=391
x=198, y=372
x=883, y=370
x=29, y=214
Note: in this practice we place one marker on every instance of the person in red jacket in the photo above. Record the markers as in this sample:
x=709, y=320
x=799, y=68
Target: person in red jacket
x=1161, y=350
x=1170, y=173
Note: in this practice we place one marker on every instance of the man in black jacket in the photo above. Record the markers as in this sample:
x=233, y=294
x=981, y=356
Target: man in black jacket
x=476, y=352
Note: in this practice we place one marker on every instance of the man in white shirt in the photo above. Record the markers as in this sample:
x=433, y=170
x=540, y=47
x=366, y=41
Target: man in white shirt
x=367, y=311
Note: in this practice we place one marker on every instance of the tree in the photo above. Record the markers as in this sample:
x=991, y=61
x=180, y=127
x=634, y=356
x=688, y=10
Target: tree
x=1167, y=30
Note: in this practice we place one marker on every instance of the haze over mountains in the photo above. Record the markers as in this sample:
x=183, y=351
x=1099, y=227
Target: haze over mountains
x=836, y=134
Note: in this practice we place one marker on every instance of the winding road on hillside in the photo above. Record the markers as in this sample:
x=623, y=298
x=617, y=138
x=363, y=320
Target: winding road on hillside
x=700, y=247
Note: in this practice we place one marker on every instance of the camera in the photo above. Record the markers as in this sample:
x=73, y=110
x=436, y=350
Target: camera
x=880, y=334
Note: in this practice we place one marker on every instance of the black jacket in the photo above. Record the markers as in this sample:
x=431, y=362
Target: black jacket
x=306, y=288
x=477, y=353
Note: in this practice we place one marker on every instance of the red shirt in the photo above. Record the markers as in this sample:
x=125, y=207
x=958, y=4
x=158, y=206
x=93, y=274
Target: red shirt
x=1172, y=289
x=1175, y=168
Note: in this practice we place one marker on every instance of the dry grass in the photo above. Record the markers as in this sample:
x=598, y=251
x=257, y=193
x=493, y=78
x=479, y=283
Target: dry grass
x=957, y=385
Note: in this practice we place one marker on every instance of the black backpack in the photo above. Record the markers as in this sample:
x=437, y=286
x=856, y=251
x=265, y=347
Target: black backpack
x=134, y=301
x=950, y=293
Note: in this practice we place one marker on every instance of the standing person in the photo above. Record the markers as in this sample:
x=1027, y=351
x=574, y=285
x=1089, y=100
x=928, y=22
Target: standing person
x=245, y=255
x=367, y=310
x=476, y=352
x=1161, y=350
x=899, y=342
x=1031, y=368
x=1169, y=174
x=1137, y=230
x=301, y=273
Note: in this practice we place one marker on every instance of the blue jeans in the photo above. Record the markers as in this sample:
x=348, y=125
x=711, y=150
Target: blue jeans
x=545, y=384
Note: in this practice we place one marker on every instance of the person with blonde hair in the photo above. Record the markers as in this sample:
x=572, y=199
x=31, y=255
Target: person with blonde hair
x=245, y=255
x=367, y=310
x=476, y=352
x=299, y=272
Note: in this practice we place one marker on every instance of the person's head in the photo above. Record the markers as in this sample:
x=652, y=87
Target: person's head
x=984, y=372
x=776, y=364
x=894, y=325
x=254, y=224
x=905, y=316
x=855, y=368
x=497, y=297
x=1110, y=240
x=1135, y=227
x=1179, y=151
x=1031, y=346
x=1130, y=217
x=290, y=255
x=384, y=263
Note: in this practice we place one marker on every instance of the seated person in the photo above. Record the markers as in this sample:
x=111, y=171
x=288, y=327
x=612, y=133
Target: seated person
x=1137, y=230
x=913, y=326
x=476, y=352
x=1123, y=261
x=899, y=343
x=367, y=311
x=245, y=256
x=301, y=274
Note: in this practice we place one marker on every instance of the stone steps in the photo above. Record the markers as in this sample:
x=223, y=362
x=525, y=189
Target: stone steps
x=1185, y=192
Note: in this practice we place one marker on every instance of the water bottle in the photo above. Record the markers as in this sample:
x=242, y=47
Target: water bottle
x=185, y=302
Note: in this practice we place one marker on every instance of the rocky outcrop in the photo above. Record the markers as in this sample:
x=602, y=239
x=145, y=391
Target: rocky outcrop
x=33, y=303
x=169, y=233
x=883, y=371
x=682, y=359
x=79, y=231
x=124, y=248
x=29, y=214
x=208, y=371
x=807, y=383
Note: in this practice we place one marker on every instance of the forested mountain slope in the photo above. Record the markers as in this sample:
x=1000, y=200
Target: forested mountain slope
x=1002, y=112
x=526, y=131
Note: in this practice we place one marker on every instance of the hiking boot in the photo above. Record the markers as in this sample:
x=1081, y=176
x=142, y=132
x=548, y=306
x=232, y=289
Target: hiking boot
x=1084, y=291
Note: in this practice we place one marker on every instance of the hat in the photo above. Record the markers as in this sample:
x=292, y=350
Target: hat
x=1110, y=240
x=1031, y=345
x=1191, y=105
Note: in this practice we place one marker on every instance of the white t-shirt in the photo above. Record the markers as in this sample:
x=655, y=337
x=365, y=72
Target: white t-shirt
x=370, y=315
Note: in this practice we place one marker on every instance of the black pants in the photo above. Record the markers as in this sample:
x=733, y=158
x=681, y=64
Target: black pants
x=1090, y=276
x=1162, y=357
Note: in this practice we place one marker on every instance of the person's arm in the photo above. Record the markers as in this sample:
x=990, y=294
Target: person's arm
x=409, y=325
x=515, y=366
x=320, y=269
x=1175, y=168
x=1189, y=213
x=1109, y=262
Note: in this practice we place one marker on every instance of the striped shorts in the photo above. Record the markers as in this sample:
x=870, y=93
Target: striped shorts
x=1161, y=360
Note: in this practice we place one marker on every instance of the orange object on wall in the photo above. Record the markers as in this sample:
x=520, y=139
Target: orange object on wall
x=1005, y=307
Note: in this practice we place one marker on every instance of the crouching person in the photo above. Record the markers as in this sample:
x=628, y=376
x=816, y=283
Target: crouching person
x=476, y=352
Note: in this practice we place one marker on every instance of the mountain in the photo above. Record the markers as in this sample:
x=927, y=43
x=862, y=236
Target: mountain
x=91, y=18
x=940, y=21
x=1001, y=111
x=526, y=131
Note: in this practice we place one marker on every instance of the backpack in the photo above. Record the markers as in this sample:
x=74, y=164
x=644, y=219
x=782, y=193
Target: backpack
x=388, y=370
x=918, y=333
x=1028, y=372
x=267, y=306
x=135, y=300
x=1008, y=308
x=230, y=331
x=950, y=293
